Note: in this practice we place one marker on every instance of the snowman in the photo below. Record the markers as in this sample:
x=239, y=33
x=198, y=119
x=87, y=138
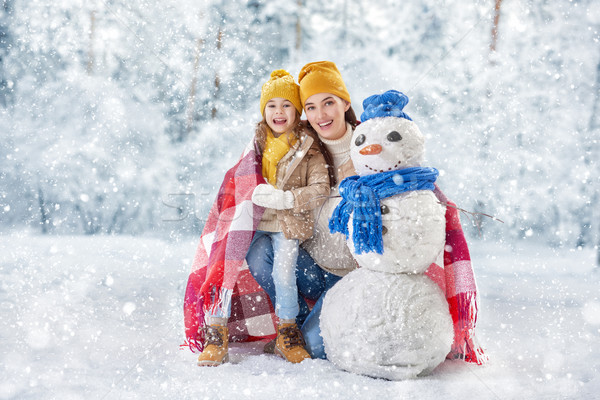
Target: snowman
x=387, y=319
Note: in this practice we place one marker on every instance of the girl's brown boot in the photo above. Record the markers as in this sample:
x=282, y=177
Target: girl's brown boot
x=216, y=346
x=290, y=343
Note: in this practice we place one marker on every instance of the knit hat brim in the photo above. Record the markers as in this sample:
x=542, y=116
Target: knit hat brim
x=321, y=77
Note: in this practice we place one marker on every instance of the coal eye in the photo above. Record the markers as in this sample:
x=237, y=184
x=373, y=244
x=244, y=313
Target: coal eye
x=360, y=139
x=394, y=136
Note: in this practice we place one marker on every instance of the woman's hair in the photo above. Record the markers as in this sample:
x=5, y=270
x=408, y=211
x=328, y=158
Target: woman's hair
x=349, y=117
x=262, y=129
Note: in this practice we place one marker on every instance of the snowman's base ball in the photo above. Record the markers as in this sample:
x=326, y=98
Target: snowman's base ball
x=392, y=326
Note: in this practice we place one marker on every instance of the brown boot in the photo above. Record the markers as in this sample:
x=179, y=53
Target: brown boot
x=290, y=343
x=216, y=346
x=270, y=346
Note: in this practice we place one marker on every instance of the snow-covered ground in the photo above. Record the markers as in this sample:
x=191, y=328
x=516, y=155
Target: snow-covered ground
x=100, y=318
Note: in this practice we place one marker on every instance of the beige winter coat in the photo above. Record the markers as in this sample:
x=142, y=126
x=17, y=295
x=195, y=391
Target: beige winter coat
x=303, y=171
x=328, y=250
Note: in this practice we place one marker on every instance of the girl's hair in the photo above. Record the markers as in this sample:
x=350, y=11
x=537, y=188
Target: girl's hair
x=262, y=129
x=349, y=117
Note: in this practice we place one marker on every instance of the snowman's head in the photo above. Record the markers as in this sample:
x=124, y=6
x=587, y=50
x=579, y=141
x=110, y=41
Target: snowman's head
x=387, y=139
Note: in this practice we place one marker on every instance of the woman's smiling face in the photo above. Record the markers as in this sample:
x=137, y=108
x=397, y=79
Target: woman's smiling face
x=325, y=112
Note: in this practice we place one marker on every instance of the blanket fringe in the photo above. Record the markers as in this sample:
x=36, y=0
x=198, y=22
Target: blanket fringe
x=463, y=309
x=193, y=344
x=193, y=313
x=220, y=303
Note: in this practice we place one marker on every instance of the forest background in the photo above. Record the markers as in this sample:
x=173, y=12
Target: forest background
x=121, y=117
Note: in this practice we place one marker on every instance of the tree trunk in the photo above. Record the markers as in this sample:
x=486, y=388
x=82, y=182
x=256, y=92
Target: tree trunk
x=495, y=26
x=5, y=46
x=345, y=24
x=591, y=161
x=44, y=218
x=594, y=118
x=217, y=78
x=598, y=250
x=298, y=28
x=91, y=55
x=485, y=140
x=192, y=96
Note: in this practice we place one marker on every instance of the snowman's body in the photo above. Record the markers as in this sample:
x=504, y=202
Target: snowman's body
x=387, y=319
x=415, y=233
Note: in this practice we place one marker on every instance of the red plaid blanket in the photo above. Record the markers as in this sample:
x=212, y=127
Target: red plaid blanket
x=457, y=280
x=219, y=269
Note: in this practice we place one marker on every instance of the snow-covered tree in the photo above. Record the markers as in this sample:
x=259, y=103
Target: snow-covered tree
x=122, y=116
x=5, y=47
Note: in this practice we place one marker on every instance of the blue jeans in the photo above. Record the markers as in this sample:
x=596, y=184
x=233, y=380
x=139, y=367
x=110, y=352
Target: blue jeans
x=312, y=281
x=285, y=255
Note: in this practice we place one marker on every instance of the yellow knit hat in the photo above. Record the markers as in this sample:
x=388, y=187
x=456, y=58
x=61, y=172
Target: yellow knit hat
x=321, y=77
x=281, y=84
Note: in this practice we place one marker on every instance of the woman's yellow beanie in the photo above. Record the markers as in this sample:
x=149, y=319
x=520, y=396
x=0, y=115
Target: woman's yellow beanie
x=321, y=77
x=281, y=84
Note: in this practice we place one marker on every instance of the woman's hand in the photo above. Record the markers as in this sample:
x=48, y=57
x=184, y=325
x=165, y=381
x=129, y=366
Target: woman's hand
x=268, y=196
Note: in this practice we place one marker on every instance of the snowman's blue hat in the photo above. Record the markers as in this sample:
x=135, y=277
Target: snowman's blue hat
x=388, y=104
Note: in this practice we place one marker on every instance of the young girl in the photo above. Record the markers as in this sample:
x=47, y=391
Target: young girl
x=298, y=182
x=325, y=257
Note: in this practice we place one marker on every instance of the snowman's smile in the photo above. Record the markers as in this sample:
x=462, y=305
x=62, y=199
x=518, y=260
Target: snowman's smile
x=381, y=170
x=376, y=149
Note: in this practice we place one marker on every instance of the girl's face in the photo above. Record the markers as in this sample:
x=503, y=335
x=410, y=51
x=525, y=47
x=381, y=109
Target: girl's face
x=280, y=115
x=325, y=112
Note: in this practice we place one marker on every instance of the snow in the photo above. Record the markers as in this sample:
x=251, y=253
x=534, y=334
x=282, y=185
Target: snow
x=101, y=317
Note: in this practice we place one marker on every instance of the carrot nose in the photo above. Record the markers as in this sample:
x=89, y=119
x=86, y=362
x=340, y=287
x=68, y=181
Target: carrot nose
x=371, y=149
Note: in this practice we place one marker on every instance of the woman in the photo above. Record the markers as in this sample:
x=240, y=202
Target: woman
x=325, y=257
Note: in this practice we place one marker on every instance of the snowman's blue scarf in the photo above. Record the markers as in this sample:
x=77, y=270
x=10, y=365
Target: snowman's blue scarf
x=361, y=197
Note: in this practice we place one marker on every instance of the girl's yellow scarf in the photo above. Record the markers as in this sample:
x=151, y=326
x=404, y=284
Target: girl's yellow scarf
x=275, y=149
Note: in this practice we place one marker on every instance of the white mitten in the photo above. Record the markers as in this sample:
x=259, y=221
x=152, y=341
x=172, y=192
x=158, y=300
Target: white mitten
x=268, y=196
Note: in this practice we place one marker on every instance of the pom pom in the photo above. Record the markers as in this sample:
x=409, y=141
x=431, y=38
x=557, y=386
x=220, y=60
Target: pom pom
x=279, y=73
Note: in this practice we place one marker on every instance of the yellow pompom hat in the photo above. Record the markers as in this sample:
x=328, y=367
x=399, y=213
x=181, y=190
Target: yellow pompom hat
x=281, y=84
x=321, y=77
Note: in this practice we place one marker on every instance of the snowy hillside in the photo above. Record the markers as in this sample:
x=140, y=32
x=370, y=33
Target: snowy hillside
x=100, y=318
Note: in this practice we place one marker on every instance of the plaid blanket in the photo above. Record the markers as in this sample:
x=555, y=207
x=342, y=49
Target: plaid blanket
x=457, y=280
x=219, y=269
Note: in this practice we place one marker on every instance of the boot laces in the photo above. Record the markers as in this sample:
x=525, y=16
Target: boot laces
x=212, y=335
x=292, y=336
